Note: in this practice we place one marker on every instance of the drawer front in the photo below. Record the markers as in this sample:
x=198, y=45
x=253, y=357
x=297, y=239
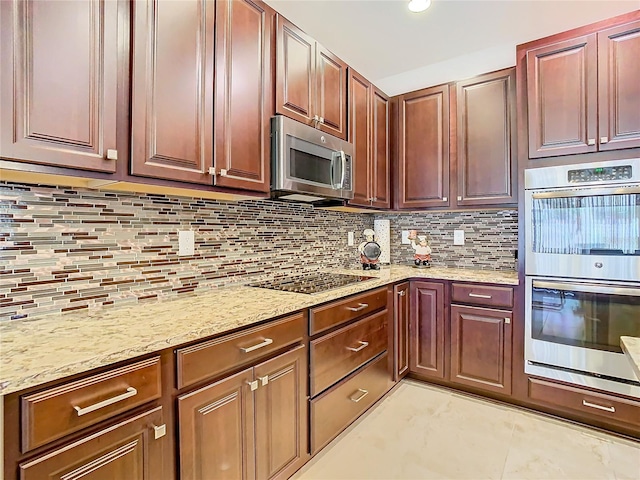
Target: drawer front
x=343, y=351
x=482, y=295
x=334, y=410
x=327, y=316
x=208, y=359
x=603, y=406
x=56, y=412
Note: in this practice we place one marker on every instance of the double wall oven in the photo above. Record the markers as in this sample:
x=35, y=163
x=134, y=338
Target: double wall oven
x=582, y=269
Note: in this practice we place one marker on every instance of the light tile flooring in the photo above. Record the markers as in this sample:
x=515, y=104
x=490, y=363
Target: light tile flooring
x=424, y=432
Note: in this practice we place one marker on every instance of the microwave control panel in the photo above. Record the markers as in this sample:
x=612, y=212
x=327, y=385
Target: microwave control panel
x=622, y=172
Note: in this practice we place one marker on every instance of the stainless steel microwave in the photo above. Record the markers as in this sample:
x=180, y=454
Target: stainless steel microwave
x=309, y=165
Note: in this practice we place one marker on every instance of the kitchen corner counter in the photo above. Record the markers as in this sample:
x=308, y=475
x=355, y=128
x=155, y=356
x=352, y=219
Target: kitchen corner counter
x=631, y=348
x=36, y=351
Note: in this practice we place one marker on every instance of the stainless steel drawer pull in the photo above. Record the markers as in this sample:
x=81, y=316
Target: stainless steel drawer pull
x=359, y=397
x=362, y=345
x=264, y=343
x=105, y=403
x=599, y=407
x=479, y=295
x=361, y=306
x=402, y=293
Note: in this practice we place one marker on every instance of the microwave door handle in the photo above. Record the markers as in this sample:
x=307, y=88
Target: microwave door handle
x=344, y=169
x=333, y=169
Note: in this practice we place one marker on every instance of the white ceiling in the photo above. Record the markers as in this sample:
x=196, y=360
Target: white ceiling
x=401, y=51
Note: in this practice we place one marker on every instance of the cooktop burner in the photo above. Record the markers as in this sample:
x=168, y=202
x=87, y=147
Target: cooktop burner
x=311, y=282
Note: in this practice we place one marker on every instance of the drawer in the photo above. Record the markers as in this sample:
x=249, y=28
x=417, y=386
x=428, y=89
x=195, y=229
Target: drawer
x=58, y=411
x=208, y=359
x=489, y=296
x=343, y=351
x=326, y=316
x=600, y=405
x=335, y=409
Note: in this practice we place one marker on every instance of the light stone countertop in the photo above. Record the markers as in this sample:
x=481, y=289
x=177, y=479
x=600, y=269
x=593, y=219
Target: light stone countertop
x=36, y=351
x=631, y=347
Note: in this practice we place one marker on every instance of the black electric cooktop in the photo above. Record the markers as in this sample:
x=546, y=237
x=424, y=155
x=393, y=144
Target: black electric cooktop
x=311, y=282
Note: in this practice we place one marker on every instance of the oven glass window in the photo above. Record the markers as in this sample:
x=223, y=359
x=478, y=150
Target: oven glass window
x=591, y=320
x=596, y=225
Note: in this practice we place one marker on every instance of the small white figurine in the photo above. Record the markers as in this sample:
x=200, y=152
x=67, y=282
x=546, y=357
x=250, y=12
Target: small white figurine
x=422, y=256
x=370, y=251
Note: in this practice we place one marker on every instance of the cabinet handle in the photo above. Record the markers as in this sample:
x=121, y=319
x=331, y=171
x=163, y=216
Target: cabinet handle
x=479, y=295
x=159, y=431
x=112, y=154
x=212, y=171
x=253, y=385
x=604, y=139
x=507, y=320
x=362, y=345
x=599, y=407
x=402, y=293
x=459, y=198
x=321, y=120
x=105, y=403
x=591, y=141
x=360, y=397
x=444, y=199
x=361, y=306
x=264, y=343
x=264, y=380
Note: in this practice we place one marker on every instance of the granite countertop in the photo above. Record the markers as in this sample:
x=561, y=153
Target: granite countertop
x=631, y=347
x=36, y=351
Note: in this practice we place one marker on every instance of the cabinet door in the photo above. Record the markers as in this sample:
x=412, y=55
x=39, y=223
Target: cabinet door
x=401, y=330
x=244, y=97
x=481, y=348
x=295, y=72
x=216, y=430
x=126, y=450
x=562, y=98
x=360, y=136
x=172, y=90
x=423, y=163
x=331, y=92
x=619, y=87
x=59, y=77
x=380, y=156
x=486, y=123
x=281, y=414
x=426, y=329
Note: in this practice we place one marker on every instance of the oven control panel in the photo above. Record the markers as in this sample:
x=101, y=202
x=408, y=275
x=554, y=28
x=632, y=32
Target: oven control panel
x=622, y=172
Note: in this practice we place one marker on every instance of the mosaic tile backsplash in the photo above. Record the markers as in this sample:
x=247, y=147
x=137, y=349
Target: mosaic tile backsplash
x=491, y=237
x=69, y=249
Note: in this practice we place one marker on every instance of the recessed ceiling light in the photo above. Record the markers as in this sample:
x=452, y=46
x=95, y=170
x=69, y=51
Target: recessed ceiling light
x=419, y=5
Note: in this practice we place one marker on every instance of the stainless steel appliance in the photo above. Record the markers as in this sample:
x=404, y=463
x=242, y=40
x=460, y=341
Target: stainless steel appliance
x=314, y=282
x=307, y=164
x=582, y=265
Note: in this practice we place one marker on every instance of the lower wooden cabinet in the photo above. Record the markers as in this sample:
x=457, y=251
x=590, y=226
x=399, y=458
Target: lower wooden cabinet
x=128, y=450
x=401, y=330
x=250, y=425
x=427, y=329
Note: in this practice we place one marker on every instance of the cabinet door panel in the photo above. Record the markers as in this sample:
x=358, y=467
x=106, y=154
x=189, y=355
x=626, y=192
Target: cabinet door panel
x=426, y=330
x=360, y=136
x=59, y=82
x=481, y=348
x=331, y=92
x=296, y=59
x=172, y=94
x=619, y=87
x=562, y=98
x=401, y=327
x=244, y=98
x=486, y=139
x=423, y=167
x=225, y=406
x=380, y=157
x=281, y=414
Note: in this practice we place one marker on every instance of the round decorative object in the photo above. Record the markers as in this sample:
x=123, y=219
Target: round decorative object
x=371, y=250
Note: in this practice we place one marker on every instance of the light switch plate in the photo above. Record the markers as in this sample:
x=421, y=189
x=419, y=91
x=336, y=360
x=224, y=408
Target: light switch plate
x=458, y=237
x=350, y=239
x=405, y=237
x=186, y=243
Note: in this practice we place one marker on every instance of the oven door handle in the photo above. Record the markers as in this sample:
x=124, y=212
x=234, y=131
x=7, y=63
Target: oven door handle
x=588, y=288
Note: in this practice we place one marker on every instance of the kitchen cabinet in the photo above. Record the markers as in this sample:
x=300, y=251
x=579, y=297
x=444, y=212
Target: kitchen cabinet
x=250, y=425
x=486, y=139
x=311, y=82
x=59, y=101
x=369, y=133
x=401, y=315
x=583, y=94
x=423, y=148
x=427, y=329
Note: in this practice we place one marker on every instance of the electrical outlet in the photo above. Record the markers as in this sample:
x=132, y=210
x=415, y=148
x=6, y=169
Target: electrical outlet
x=405, y=237
x=186, y=243
x=350, y=239
x=458, y=237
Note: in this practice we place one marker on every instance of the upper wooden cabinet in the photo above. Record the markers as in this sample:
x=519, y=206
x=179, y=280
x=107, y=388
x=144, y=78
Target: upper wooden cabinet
x=583, y=93
x=486, y=137
x=59, y=74
x=311, y=82
x=423, y=148
x=369, y=133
